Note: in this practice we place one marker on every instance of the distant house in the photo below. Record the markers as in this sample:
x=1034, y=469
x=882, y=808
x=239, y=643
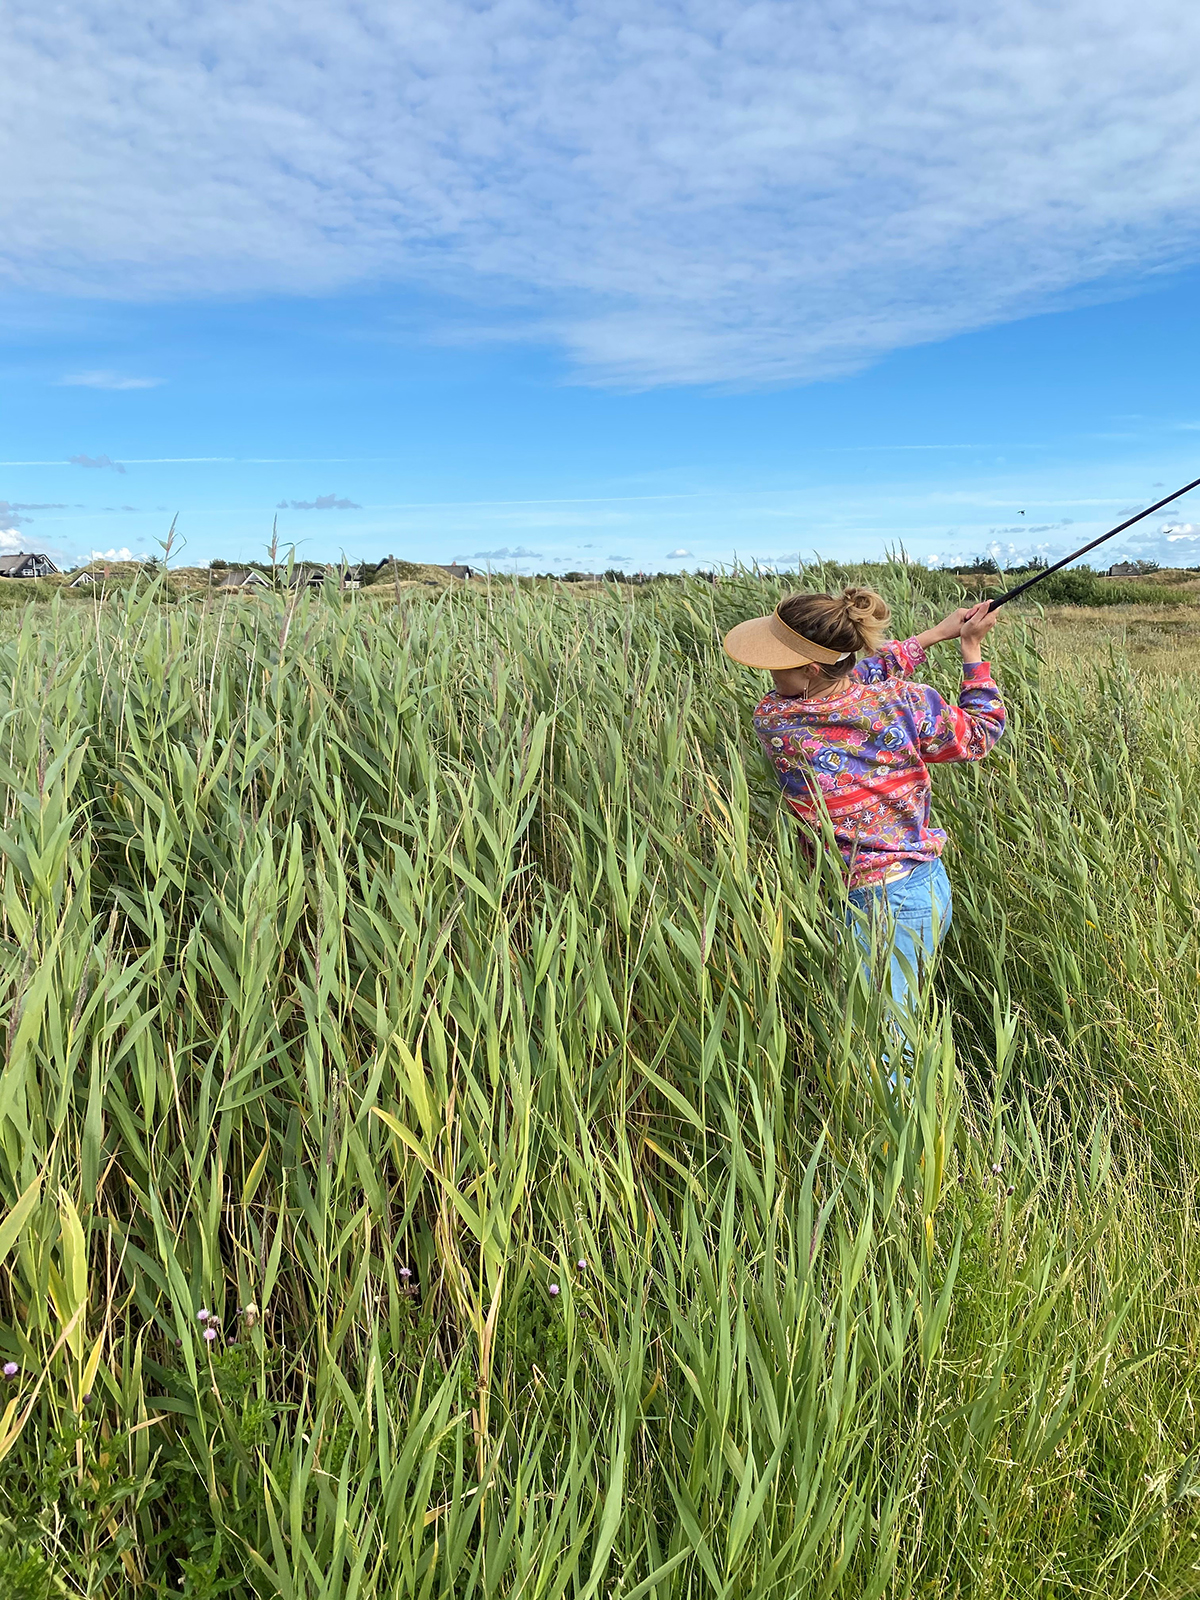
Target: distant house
x=1124, y=569
x=117, y=572
x=457, y=571
x=307, y=577
x=243, y=578
x=26, y=566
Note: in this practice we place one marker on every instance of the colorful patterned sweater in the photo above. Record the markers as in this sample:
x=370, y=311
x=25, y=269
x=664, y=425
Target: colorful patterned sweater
x=866, y=754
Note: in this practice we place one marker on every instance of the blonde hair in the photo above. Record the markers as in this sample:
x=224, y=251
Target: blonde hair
x=854, y=621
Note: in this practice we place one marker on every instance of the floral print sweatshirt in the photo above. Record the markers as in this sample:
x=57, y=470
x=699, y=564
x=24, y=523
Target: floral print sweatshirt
x=864, y=755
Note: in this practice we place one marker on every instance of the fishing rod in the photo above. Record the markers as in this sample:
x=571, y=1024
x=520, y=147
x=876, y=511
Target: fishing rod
x=1112, y=532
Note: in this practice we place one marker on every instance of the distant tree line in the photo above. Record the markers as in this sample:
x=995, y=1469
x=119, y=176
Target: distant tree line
x=988, y=565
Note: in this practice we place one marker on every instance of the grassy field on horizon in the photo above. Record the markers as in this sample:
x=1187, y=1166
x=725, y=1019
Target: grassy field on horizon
x=443, y=1145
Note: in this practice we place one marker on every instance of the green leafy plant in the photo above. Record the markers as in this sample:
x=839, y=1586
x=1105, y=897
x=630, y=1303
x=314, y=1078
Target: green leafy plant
x=443, y=1146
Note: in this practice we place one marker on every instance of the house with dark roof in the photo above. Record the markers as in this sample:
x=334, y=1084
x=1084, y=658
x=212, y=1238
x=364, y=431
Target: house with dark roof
x=26, y=566
x=307, y=577
x=243, y=578
x=1124, y=569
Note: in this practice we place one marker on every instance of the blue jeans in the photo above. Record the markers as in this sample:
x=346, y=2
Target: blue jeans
x=911, y=914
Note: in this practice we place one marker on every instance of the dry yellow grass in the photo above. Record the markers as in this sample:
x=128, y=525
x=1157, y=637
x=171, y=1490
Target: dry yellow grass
x=1155, y=639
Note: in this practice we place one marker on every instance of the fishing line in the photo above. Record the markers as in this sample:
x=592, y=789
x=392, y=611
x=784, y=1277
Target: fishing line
x=1066, y=560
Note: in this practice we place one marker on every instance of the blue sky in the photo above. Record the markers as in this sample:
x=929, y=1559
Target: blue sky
x=653, y=286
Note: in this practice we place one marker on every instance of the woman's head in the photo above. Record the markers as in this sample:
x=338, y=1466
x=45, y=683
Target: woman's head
x=812, y=641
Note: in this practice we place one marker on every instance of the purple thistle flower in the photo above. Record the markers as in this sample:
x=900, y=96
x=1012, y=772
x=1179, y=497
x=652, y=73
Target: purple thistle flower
x=997, y=1168
x=406, y=1273
x=1012, y=1188
x=554, y=1291
x=210, y=1334
x=582, y=1264
x=203, y=1315
x=11, y=1369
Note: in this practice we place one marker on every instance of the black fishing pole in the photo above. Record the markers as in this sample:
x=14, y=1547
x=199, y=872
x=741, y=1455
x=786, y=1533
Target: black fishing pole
x=1066, y=560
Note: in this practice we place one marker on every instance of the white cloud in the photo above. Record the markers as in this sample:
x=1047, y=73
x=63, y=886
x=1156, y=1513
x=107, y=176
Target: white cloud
x=707, y=191
x=11, y=543
x=113, y=555
x=107, y=380
x=677, y=555
x=1172, y=544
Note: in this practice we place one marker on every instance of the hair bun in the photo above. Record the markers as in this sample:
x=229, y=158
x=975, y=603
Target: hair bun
x=863, y=603
x=865, y=612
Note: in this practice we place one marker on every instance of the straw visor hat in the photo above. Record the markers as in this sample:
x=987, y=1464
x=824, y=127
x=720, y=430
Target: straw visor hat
x=768, y=642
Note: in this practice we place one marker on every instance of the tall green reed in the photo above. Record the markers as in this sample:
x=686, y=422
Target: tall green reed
x=437, y=995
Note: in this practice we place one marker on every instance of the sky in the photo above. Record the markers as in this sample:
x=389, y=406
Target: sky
x=654, y=286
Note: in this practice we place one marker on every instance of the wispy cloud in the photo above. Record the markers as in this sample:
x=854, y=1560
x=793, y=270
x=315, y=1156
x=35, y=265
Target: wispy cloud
x=517, y=553
x=1026, y=532
x=113, y=555
x=11, y=542
x=740, y=194
x=107, y=380
x=10, y=511
x=323, y=502
x=95, y=462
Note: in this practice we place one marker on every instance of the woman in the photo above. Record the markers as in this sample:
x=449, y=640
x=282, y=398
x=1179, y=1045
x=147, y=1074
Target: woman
x=854, y=740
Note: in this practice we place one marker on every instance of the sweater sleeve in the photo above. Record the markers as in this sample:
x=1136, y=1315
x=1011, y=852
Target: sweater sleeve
x=967, y=731
x=893, y=661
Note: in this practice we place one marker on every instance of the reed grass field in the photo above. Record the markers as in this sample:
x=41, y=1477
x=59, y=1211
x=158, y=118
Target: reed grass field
x=443, y=1146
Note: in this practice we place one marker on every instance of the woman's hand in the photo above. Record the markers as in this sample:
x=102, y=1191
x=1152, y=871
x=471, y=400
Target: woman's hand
x=948, y=628
x=977, y=622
